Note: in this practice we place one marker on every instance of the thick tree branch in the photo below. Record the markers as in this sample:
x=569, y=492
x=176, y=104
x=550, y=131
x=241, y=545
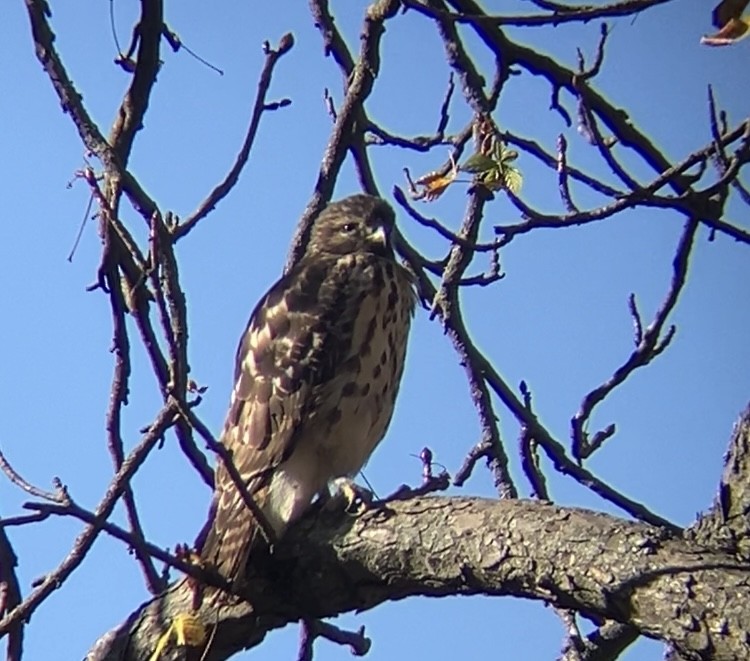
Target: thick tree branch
x=594, y=563
x=727, y=523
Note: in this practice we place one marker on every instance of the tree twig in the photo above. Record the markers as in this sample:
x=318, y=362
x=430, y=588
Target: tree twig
x=652, y=343
x=259, y=108
x=358, y=643
x=86, y=538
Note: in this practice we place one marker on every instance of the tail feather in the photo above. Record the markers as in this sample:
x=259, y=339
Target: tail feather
x=227, y=543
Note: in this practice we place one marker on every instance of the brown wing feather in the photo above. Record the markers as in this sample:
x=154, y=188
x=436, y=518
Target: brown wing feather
x=289, y=348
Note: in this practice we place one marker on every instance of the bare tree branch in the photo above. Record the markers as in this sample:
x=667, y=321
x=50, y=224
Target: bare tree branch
x=560, y=13
x=118, y=398
x=359, y=86
x=72, y=104
x=260, y=107
x=651, y=344
x=53, y=580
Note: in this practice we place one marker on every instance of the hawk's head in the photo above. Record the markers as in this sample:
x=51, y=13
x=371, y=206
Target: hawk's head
x=359, y=223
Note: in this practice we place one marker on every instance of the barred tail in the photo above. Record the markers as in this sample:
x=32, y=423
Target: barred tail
x=229, y=538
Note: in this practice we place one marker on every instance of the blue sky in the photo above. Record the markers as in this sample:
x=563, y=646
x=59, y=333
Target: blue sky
x=559, y=319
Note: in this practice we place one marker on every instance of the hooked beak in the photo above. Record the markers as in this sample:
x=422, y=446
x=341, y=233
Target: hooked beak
x=379, y=236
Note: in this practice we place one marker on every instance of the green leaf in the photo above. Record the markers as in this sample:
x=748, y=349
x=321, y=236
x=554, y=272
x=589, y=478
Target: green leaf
x=513, y=179
x=478, y=163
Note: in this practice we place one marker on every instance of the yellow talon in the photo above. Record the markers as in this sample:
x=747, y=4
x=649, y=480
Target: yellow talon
x=356, y=499
x=351, y=497
x=188, y=631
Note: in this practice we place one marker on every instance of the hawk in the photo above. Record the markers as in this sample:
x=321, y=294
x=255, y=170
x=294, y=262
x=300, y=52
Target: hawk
x=316, y=377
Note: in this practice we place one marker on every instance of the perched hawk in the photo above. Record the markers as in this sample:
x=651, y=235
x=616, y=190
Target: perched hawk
x=316, y=376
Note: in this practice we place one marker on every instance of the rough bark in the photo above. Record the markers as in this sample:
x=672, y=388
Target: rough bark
x=693, y=597
x=727, y=524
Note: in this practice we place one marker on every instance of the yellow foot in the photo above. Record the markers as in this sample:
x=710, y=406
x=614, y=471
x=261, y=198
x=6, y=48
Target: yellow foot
x=187, y=631
x=356, y=499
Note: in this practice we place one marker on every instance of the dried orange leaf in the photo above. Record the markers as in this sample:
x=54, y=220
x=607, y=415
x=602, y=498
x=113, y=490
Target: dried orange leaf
x=732, y=26
x=436, y=186
x=732, y=31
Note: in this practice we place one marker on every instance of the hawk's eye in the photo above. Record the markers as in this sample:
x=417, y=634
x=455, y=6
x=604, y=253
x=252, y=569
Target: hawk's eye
x=348, y=228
